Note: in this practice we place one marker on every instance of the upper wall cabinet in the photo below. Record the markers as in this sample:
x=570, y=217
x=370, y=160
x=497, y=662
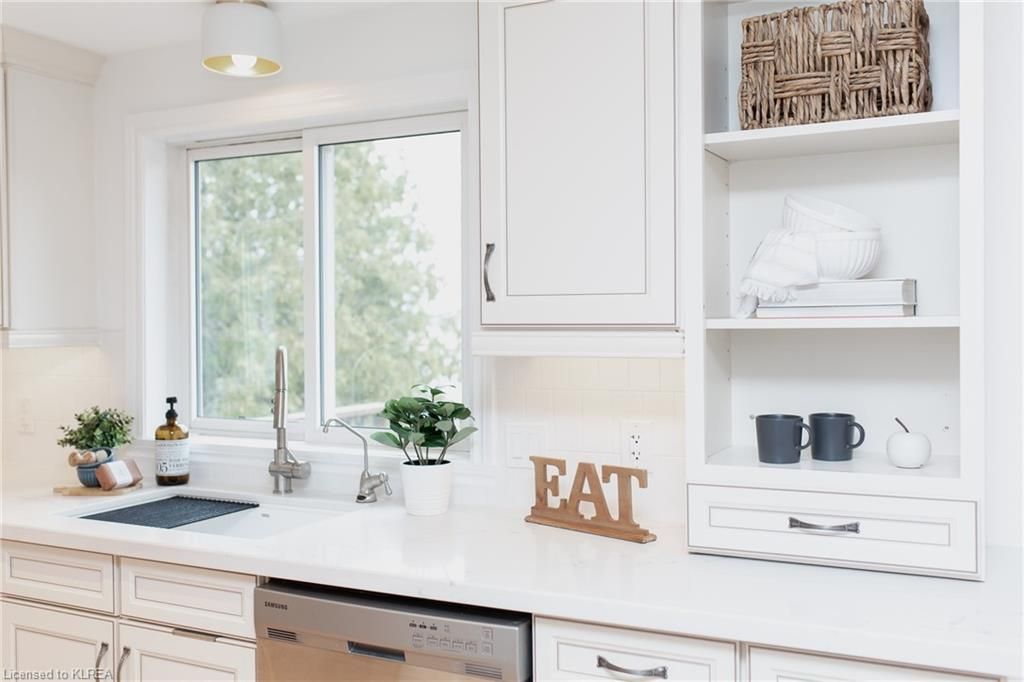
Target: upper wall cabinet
x=577, y=154
x=47, y=190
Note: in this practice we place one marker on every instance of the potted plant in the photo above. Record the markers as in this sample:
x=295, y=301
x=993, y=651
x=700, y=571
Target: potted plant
x=423, y=423
x=99, y=432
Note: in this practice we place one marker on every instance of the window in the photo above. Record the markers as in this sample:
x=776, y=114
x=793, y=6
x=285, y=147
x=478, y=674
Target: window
x=344, y=246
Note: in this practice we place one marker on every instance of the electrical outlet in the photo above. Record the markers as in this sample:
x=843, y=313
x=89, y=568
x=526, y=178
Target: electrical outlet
x=634, y=441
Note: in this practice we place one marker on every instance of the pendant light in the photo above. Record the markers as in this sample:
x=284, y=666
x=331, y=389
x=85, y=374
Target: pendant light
x=241, y=38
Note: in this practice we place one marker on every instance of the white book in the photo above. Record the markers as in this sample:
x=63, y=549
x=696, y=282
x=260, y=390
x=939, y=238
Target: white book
x=838, y=311
x=852, y=292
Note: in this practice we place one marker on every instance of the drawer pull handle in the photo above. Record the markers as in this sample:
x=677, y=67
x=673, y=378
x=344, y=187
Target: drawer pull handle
x=488, y=252
x=661, y=671
x=104, y=647
x=838, y=528
x=125, y=651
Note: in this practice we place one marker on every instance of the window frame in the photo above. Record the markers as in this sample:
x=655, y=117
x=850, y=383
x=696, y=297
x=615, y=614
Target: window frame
x=309, y=141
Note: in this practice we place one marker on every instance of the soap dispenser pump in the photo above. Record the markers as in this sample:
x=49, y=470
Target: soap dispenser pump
x=171, y=449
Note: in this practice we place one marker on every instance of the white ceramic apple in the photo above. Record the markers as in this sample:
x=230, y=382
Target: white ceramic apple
x=907, y=449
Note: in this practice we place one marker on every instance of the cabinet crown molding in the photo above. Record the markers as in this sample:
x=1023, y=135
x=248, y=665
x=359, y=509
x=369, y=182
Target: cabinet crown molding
x=20, y=49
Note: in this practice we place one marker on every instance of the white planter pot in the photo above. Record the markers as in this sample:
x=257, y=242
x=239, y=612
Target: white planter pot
x=427, y=489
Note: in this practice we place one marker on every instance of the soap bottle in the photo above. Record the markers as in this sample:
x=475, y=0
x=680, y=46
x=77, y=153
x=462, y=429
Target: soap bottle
x=171, y=449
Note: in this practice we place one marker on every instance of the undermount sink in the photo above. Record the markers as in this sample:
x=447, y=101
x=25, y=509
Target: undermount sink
x=260, y=522
x=252, y=517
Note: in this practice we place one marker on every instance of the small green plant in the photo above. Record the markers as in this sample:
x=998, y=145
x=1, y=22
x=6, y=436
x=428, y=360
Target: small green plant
x=424, y=423
x=98, y=429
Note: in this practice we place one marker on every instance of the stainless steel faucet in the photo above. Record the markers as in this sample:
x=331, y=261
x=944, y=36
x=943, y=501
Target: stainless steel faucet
x=368, y=483
x=284, y=465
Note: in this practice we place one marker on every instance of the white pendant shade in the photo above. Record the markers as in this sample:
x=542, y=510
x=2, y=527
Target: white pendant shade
x=241, y=39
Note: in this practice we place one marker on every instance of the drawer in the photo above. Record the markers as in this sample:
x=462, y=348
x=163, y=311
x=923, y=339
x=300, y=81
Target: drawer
x=61, y=576
x=771, y=664
x=194, y=598
x=887, y=533
x=566, y=650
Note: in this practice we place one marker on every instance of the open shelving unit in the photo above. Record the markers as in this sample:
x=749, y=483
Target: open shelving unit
x=920, y=175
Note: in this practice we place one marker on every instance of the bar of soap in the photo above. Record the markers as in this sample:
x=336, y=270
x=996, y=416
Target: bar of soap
x=118, y=474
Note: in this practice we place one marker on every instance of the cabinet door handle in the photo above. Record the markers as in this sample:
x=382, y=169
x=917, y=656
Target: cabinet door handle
x=99, y=659
x=661, y=671
x=120, y=663
x=838, y=528
x=488, y=252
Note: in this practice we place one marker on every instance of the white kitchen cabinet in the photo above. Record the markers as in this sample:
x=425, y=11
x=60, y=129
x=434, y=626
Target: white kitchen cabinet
x=47, y=254
x=577, y=164
x=68, y=577
x=153, y=653
x=566, y=650
x=41, y=639
x=784, y=666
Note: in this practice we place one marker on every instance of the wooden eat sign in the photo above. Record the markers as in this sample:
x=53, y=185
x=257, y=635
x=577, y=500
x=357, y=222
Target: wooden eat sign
x=586, y=487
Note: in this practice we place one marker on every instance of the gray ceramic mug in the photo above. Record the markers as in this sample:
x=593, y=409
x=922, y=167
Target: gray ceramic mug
x=779, y=438
x=833, y=436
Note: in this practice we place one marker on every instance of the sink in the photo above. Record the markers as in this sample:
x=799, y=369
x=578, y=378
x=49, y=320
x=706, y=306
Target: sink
x=265, y=516
x=260, y=522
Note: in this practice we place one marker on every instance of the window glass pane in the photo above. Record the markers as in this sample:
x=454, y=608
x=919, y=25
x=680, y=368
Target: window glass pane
x=392, y=272
x=249, y=282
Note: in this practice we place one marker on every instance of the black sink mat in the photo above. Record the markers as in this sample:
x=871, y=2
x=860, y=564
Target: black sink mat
x=172, y=512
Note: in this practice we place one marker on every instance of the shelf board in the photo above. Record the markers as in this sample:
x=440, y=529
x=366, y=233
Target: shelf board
x=923, y=322
x=866, y=134
x=870, y=463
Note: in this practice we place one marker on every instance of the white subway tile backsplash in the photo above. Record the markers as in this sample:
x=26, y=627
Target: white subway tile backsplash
x=645, y=374
x=582, y=403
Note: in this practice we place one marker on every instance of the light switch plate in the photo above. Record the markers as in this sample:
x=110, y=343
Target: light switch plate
x=523, y=439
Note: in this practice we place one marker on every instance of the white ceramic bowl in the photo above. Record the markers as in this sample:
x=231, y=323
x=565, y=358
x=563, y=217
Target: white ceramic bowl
x=802, y=213
x=847, y=255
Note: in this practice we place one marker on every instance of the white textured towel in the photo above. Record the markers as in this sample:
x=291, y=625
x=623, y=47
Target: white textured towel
x=784, y=259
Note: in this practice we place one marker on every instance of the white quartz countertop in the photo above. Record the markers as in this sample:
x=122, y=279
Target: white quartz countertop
x=491, y=557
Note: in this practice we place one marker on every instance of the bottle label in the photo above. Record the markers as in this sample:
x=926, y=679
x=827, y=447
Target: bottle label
x=172, y=457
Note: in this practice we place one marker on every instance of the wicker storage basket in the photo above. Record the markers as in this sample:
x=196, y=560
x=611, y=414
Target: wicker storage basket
x=834, y=62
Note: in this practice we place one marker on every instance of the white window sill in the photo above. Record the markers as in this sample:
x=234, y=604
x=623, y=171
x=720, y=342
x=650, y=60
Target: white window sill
x=250, y=448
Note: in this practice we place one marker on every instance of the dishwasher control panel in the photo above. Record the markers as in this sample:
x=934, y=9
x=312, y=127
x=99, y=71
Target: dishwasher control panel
x=434, y=635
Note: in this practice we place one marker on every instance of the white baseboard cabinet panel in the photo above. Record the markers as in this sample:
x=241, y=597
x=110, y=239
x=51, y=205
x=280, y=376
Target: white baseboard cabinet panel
x=772, y=665
x=884, y=533
x=566, y=650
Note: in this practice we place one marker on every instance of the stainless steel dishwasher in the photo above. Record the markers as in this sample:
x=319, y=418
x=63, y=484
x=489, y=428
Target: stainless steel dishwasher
x=310, y=633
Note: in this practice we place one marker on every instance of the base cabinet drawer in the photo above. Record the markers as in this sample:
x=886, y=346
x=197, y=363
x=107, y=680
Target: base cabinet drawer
x=194, y=598
x=61, y=576
x=149, y=653
x=783, y=666
x=566, y=650
x=43, y=643
x=884, y=533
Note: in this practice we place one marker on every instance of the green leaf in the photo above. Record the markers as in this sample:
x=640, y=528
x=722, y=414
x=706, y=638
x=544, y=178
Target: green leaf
x=386, y=438
x=463, y=434
x=417, y=438
x=445, y=425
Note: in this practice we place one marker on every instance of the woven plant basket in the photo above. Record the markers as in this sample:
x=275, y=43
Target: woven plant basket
x=834, y=62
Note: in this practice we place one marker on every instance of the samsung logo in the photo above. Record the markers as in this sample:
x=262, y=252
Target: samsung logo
x=275, y=605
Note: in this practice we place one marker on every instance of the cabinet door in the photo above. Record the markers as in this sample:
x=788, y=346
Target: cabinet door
x=151, y=653
x=577, y=163
x=783, y=666
x=39, y=639
x=565, y=650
